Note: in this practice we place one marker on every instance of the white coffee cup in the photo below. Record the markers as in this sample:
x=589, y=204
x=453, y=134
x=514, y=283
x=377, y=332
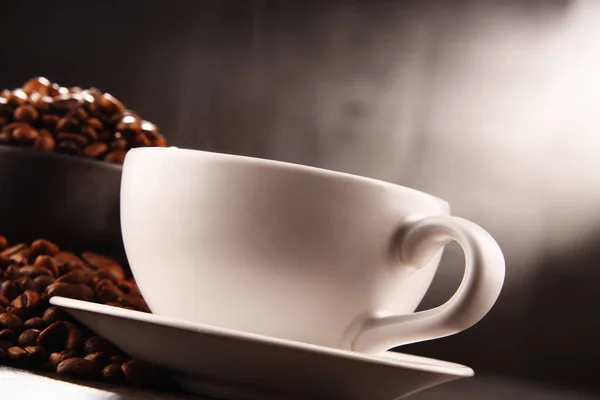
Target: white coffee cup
x=296, y=252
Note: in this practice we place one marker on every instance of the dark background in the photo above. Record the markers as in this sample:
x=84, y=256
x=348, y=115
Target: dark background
x=492, y=105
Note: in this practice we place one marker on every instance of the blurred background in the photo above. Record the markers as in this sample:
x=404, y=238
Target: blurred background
x=491, y=105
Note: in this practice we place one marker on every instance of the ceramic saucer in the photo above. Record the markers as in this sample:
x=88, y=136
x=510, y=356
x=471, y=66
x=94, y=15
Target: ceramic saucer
x=227, y=364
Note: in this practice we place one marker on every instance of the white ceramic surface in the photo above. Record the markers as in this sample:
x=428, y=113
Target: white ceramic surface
x=227, y=364
x=296, y=252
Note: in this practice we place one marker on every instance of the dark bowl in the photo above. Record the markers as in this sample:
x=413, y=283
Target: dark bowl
x=69, y=200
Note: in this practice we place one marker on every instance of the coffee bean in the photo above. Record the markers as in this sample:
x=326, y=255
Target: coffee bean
x=40, y=85
x=22, y=257
x=24, y=283
x=74, y=340
x=28, y=301
x=26, y=113
x=75, y=138
x=113, y=373
x=13, y=250
x=107, y=291
x=67, y=102
x=48, y=262
x=138, y=373
x=77, y=368
x=17, y=98
x=28, y=337
x=97, y=344
x=45, y=141
x=42, y=282
x=33, y=271
x=116, y=156
x=53, y=314
x=89, y=133
x=119, y=359
x=110, y=105
x=10, y=321
x=54, y=336
x=8, y=335
x=95, y=124
x=58, y=357
x=17, y=355
x=4, y=302
x=36, y=355
x=100, y=359
x=114, y=272
x=50, y=120
x=6, y=138
x=3, y=243
x=35, y=323
x=68, y=148
x=95, y=150
x=9, y=289
x=25, y=134
x=75, y=276
x=67, y=124
x=44, y=247
x=73, y=291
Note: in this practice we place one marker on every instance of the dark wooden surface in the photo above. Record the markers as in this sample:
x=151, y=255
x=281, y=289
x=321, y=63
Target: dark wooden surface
x=17, y=384
x=492, y=105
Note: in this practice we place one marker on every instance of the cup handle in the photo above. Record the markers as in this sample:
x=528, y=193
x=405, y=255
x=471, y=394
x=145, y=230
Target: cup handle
x=477, y=293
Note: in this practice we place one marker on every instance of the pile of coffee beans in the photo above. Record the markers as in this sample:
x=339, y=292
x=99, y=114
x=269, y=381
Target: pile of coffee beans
x=37, y=336
x=48, y=117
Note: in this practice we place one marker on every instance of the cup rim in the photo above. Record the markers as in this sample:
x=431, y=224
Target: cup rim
x=284, y=165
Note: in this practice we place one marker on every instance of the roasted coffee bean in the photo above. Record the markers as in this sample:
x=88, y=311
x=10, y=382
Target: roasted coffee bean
x=6, y=138
x=28, y=301
x=119, y=143
x=17, y=312
x=48, y=262
x=35, y=323
x=44, y=247
x=17, y=98
x=10, y=321
x=68, y=148
x=21, y=257
x=67, y=259
x=36, y=355
x=25, y=134
x=113, y=373
x=28, y=337
x=67, y=124
x=107, y=291
x=33, y=271
x=26, y=113
x=89, y=133
x=116, y=156
x=50, y=120
x=13, y=250
x=17, y=354
x=9, y=289
x=58, y=357
x=105, y=136
x=98, y=260
x=119, y=359
x=95, y=124
x=13, y=272
x=53, y=314
x=95, y=150
x=114, y=272
x=73, y=291
x=75, y=138
x=67, y=102
x=45, y=141
x=8, y=335
x=3, y=243
x=99, y=358
x=110, y=105
x=4, y=302
x=74, y=340
x=77, y=368
x=54, y=336
x=139, y=373
x=24, y=283
x=40, y=85
x=41, y=282
x=75, y=276
x=97, y=344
